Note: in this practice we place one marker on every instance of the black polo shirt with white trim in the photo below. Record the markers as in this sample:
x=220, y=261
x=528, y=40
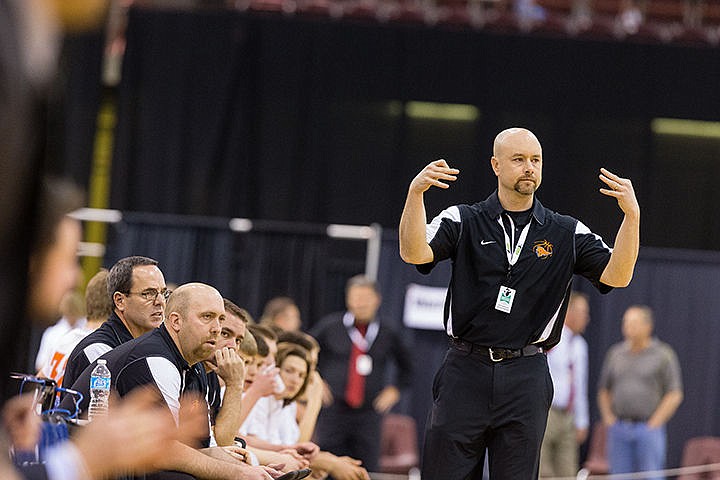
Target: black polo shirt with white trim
x=109, y=335
x=152, y=359
x=557, y=246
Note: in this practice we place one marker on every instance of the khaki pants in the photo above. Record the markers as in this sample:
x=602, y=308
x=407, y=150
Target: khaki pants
x=559, y=453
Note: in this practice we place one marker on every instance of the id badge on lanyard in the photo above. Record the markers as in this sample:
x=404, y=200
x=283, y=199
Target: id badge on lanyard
x=363, y=362
x=506, y=295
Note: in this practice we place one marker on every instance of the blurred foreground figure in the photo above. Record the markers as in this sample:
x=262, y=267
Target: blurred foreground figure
x=30, y=34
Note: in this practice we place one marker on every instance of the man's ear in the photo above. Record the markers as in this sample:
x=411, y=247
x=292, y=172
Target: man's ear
x=174, y=321
x=119, y=301
x=494, y=163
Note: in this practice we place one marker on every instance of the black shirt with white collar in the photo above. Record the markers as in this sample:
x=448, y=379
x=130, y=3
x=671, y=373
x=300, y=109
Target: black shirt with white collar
x=151, y=360
x=109, y=335
x=557, y=246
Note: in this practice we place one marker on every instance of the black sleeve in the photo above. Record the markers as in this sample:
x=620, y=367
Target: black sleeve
x=82, y=385
x=591, y=256
x=442, y=235
x=77, y=362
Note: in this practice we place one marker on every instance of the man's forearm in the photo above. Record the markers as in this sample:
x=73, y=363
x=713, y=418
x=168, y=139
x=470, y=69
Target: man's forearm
x=309, y=419
x=230, y=418
x=185, y=459
x=413, y=246
x=666, y=408
x=604, y=404
x=620, y=268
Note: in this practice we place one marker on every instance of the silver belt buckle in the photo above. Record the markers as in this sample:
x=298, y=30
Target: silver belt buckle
x=492, y=356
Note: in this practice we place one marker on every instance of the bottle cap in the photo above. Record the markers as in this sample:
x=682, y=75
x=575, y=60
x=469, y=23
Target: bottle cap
x=102, y=361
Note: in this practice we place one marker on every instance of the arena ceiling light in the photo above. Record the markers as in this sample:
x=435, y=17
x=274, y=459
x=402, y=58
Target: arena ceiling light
x=685, y=128
x=442, y=111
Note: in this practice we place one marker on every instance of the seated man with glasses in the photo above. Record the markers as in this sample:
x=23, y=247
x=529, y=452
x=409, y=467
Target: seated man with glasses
x=137, y=290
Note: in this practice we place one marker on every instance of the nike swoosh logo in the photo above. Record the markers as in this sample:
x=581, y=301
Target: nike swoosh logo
x=486, y=242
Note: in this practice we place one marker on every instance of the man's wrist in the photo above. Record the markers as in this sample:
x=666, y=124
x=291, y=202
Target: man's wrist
x=233, y=384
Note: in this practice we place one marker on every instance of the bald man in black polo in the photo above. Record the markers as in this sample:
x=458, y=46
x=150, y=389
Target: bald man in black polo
x=513, y=263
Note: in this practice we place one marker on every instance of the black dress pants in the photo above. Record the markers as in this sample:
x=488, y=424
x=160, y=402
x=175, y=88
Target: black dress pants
x=479, y=404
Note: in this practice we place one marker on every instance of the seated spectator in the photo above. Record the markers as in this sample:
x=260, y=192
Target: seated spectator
x=273, y=422
x=281, y=313
x=98, y=308
x=268, y=335
x=529, y=11
x=305, y=340
x=317, y=392
x=289, y=457
x=72, y=309
x=261, y=374
x=226, y=367
x=273, y=418
x=168, y=359
x=136, y=288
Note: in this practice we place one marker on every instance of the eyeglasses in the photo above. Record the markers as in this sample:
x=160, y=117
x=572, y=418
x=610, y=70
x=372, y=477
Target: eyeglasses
x=150, y=294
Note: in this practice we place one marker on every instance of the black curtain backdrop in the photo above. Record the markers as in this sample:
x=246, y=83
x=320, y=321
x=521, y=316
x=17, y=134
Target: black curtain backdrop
x=275, y=259
x=228, y=114
x=73, y=106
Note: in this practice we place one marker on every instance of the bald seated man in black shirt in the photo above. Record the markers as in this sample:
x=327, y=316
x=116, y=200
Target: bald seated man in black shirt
x=168, y=359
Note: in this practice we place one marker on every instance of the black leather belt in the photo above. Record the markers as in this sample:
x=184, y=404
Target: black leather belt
x=496, y=354
x=633, y=419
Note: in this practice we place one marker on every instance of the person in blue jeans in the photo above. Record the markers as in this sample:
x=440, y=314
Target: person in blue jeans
x=639, y=391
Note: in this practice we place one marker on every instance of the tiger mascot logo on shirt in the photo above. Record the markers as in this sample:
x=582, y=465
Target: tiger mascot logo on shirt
x=543, y=249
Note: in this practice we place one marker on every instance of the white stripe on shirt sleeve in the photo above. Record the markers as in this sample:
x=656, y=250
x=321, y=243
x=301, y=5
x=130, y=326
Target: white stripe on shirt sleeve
x=167, y=379
x=581, y=229
x=95, y=351
x=451, y=213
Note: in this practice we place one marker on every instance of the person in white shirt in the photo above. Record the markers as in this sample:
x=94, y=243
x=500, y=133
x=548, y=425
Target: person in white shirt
x=273, y=419
x=568, y=420
x=273, y=422
x=72, y=309
x=98, y=307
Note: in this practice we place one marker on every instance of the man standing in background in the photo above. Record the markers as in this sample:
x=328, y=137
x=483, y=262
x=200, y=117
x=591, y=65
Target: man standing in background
x=640, y=390
x=355, y=352
x=568, y=419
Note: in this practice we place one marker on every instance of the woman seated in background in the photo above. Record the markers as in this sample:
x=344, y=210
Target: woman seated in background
x=273, y=422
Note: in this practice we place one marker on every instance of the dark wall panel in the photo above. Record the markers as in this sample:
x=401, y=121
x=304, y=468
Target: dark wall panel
x=228, y=114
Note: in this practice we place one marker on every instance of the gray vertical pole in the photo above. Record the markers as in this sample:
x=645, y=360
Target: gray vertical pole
x=374, y=247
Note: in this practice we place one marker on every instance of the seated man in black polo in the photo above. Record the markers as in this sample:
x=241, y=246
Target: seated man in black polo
x=137, y=290
x=168, y=359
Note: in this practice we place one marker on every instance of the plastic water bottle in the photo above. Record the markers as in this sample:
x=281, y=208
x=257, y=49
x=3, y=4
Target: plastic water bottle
x=99, y=390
